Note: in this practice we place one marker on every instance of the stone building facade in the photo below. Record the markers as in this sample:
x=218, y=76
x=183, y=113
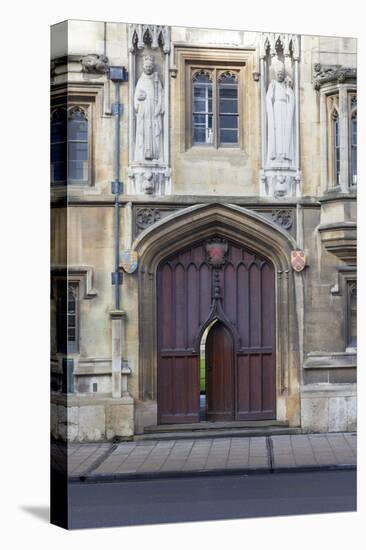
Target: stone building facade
x=203, y=194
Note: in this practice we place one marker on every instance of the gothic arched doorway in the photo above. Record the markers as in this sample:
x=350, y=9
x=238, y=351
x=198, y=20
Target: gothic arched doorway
x=216, y=279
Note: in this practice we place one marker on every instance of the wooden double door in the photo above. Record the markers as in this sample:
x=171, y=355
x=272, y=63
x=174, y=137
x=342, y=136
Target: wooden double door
x=240, y=346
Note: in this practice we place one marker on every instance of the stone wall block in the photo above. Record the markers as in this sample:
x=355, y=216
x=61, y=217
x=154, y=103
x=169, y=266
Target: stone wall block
x=72, y=423
x=314, y=414
x=91, y=423
x=120, y=418
x=54, y=420
x=337, y=414
x=351, y=403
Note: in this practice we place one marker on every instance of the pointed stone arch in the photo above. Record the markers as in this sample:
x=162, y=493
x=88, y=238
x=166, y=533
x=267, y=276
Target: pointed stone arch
x=248, y=229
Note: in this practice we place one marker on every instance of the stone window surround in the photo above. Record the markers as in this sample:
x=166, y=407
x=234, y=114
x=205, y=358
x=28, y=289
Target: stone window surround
x=83, y=276
x=343, y=91
x=346, y=276
x=85, y=97
x=60, y=283
x=196, y=57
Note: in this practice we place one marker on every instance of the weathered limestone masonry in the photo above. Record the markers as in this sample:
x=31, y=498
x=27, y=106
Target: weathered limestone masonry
x=273, y=174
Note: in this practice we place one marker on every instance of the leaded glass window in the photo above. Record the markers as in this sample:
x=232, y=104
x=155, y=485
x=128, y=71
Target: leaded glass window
x=336, y=147
x=353, y=139
x=59, y=146
x=77, y=145
x=215, y=107
x=69, y=146
x=202, y=113
x=67, y=316
x=352, y=314
x=228, y=110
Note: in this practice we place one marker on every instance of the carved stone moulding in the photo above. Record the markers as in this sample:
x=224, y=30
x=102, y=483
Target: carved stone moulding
x=325, y=74
x=149, y=179
x=140, y=35
x=280, y=184
x=340, y=239
x=271, y=42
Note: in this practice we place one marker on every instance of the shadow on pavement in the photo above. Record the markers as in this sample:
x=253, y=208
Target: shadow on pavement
x=40, y=512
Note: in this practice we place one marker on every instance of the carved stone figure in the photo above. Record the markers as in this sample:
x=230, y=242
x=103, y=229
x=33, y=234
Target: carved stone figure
x=149, y=108
x=280, y=105
x=94, y=63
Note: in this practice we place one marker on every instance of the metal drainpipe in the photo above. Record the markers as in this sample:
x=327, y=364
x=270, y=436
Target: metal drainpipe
x=117, y=75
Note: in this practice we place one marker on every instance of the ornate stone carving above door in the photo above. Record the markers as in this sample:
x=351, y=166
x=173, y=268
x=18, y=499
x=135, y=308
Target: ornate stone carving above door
x=147, y=215
x=282, y=218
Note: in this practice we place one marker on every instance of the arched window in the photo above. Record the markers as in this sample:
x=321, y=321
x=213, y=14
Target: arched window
x=202, y=131
x=77, y=145
x=353, y=140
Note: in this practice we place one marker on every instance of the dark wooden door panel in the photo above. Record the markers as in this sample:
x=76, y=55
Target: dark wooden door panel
x=256, y=397
x=178, y=390
x=220, y=374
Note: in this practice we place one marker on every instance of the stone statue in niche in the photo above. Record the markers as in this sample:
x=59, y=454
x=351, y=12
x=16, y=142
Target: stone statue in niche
x=149, y=108
x=280, y=105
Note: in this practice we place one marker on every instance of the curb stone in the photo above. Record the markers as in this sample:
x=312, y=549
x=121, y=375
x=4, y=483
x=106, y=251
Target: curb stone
x=141, y=476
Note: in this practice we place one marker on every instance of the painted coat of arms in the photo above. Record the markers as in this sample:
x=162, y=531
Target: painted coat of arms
x=298, y=260
x=129, y=260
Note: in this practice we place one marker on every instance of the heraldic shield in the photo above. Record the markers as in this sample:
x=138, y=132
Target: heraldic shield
x=298, y=260
x=129, y=261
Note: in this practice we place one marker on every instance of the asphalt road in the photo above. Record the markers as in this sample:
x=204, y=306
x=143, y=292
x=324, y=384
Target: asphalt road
x=200, y=499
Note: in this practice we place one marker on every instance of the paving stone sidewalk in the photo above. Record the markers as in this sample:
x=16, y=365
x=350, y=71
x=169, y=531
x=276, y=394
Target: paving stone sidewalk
x=155, y=458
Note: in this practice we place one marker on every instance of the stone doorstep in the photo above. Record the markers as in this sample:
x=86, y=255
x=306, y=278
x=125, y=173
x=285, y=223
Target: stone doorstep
x=216, y=434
